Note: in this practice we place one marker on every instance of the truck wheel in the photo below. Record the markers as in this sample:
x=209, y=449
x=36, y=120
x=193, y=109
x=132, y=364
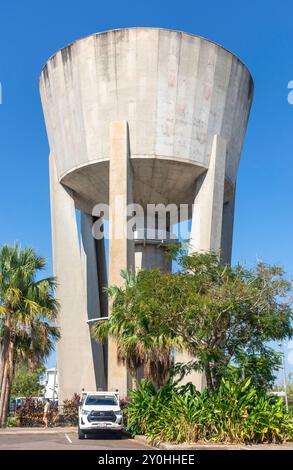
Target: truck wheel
x=81, y=434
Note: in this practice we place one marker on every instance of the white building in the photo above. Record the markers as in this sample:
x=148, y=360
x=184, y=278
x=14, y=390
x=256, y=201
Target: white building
x=51, y=383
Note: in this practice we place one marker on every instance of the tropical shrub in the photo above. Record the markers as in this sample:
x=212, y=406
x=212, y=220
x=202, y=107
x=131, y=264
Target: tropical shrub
x=236, y=412
x=12, y=422
x=70, y=410
x=31, y=413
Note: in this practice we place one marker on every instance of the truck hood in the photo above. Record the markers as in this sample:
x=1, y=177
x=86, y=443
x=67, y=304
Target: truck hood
x=101, y=408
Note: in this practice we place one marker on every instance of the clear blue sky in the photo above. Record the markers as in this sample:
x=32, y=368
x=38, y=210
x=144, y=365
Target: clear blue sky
x=259, y=32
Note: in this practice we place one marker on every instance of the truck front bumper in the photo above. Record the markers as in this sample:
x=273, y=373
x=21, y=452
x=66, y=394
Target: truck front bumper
x=88, y=427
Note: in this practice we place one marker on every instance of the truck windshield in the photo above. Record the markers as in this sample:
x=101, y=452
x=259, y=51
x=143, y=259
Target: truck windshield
x=101, y=400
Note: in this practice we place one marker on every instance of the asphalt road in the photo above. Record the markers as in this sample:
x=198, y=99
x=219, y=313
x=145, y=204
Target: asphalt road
x=65, y=441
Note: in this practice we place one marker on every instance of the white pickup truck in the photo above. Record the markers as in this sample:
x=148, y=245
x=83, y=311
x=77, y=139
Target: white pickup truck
x=99, y=411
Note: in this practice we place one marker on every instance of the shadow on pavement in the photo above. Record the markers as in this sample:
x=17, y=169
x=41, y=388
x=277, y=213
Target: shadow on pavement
x=106, y=436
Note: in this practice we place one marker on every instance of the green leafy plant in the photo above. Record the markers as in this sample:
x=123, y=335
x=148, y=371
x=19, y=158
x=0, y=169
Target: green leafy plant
x=27, y=383
x=12, y=422
x=236, y=412
x=31, y=413
x=135, y=330
x=221, y=315
x=70, y=410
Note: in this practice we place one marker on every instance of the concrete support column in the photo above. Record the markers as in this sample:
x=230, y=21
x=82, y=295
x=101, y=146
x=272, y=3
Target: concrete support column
x=74, y=352
x=103, y=283
x=102, y=275
x=227, y=229
x=121, y=250
x=206, y=229
x=91, y=286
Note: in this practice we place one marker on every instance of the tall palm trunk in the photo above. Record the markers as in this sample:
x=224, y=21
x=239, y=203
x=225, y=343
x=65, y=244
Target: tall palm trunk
x=31, y=357
x=4, y=410
x=4, y=383
x=31, y=364
x=7, y=383
x=134, y=380
x=4, y=349
x=4, y=362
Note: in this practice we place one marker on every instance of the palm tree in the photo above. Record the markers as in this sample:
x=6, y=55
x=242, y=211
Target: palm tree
x=138, y=343
x=27, y=306
x=35, y=343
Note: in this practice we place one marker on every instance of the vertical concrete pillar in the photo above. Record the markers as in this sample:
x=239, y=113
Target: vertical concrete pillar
x=91, y=286
x=121, y=250
x=74, y=353
x=103, y=283
x=102, y=275
x=227, y=229
x=206, y=229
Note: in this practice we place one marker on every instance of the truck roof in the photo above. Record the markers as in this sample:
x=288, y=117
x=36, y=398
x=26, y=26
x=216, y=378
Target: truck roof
x=105, y=392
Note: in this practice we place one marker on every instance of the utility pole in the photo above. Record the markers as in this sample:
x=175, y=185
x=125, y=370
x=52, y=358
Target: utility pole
x=282, y=346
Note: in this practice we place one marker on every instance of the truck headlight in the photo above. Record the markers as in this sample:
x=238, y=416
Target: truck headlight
x=85, y=412
x=119, y=416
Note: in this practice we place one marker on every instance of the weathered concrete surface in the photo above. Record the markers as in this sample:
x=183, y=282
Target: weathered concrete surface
x=206, y=230
x=197, y=378
x=121, y=250
x=175, y=90
x=177, y=106
x=150, y=255
x=227, y=228
x=74, y=353
x=89, y=266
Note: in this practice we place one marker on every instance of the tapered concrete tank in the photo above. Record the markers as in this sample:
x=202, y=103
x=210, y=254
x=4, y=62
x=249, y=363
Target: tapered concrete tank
x=151, y=115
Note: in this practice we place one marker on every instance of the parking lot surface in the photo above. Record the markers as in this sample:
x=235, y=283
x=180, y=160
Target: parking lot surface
x=64, y=440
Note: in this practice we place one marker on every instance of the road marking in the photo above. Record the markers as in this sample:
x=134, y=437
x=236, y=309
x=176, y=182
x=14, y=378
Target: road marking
x=68, y=438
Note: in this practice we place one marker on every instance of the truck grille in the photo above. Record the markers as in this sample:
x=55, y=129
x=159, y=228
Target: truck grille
x=102, y=416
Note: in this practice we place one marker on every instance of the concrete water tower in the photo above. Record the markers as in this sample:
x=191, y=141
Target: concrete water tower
x=145, y=115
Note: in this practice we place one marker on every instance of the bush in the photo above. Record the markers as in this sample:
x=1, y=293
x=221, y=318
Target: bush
x=31, y=413
x=11, y=421
x=236, y=412
x=70, y=410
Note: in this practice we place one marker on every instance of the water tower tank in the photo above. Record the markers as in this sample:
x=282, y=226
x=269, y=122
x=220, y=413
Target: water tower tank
x=139, y=115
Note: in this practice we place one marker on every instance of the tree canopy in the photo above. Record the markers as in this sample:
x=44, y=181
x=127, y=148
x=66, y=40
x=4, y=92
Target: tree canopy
x=27, y=383
x=221, y=315
x=28, y=309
